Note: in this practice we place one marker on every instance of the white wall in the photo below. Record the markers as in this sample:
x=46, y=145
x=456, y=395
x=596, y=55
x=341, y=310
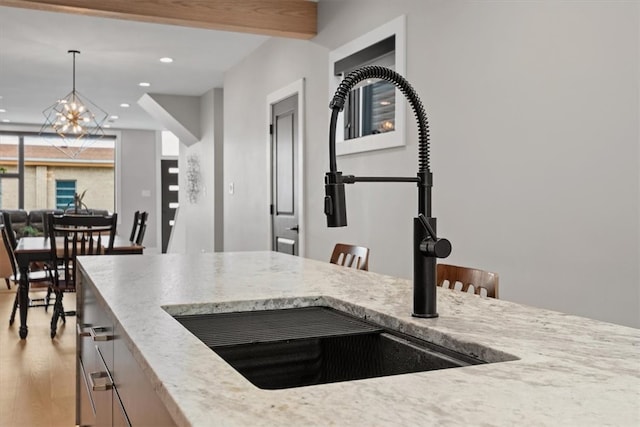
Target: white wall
x=534, y=114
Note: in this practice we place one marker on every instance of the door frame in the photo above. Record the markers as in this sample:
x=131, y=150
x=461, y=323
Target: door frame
x=295, y=88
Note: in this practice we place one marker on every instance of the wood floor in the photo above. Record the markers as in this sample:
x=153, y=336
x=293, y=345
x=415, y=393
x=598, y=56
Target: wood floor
x=37, y=375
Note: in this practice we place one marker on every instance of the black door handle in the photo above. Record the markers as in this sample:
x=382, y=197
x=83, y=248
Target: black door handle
x=295, y=228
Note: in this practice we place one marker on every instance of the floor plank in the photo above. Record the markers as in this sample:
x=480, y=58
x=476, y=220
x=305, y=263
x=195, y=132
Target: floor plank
x=37, y=375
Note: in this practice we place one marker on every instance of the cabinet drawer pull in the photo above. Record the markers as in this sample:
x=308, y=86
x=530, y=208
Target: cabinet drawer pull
x=98, y=333
x=81, y=330
x=97, y=384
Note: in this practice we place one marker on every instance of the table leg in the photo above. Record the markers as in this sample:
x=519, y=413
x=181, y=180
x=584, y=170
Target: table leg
x=23, y=300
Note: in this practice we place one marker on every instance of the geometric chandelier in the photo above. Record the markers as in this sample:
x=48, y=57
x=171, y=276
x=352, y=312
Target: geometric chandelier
x=76, y=119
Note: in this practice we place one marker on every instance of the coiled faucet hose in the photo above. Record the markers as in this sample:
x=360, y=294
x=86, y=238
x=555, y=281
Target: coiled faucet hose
x=377, y=72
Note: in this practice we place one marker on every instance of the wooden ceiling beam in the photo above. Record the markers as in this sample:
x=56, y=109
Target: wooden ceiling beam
x=282, y=18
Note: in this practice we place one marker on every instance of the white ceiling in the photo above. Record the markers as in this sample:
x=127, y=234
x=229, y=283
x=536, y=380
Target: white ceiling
x=116, y=55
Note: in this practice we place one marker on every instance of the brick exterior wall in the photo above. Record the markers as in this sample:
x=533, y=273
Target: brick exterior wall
x=93, y=170
x=40, y=186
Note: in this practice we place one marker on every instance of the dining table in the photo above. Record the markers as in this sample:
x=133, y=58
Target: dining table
x=34, y=249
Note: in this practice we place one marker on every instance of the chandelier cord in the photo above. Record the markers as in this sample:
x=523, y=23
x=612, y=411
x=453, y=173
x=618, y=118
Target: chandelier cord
x=74, y=69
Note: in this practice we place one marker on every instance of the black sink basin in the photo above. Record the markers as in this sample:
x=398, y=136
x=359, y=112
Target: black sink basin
x=277, y=349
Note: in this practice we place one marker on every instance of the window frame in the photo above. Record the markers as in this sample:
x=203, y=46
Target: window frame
x=395, y=138
x=75, y=187
x=28, y=131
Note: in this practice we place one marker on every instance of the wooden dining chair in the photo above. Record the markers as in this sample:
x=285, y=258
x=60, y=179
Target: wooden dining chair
x=139, y=227
x=469, y=278
x=77, y=235
x=38, y=280
x=350, y=256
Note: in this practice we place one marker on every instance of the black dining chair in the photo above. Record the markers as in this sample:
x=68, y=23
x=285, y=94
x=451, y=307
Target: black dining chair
x=6, y=220
x=72, y=236
x=37, y=279
x=139, y=227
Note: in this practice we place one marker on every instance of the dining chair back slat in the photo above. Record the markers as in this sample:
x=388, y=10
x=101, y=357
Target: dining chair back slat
x=136, y=218
x=468, y=279
x=142, y=228
x=80, y=235
x=139, y=227
x=350, y=256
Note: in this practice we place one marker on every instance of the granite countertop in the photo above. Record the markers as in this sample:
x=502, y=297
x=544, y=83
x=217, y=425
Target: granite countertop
x=560, y=369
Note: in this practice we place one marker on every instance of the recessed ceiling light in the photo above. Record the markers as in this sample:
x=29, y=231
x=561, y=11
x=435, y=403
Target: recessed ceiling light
x=106, y=126
x=114, y=117
x=6, y=121
x=144, y=84
x=124, y=105
x=2, y=110
x=166, y=60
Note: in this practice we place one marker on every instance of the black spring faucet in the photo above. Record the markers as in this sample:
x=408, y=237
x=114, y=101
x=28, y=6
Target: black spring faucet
x=426, y=245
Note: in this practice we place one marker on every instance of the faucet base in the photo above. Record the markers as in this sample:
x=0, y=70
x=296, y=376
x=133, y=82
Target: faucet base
x=425, y=316
x=424, y=274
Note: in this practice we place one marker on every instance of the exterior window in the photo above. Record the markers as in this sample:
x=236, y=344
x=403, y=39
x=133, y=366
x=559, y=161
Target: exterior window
x=31, y=167
x=65, y=190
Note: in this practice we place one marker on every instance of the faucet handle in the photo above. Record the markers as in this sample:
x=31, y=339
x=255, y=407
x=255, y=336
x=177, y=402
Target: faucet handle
x=439, y=248
x=432, y=245
x=427, y=226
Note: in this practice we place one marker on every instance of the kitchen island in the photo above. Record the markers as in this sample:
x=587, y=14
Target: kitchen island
x=550, y=368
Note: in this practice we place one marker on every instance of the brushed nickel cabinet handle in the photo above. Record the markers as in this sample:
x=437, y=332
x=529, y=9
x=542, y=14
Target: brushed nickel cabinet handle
x=81, y=330
x=98, y=333
x=97, y=384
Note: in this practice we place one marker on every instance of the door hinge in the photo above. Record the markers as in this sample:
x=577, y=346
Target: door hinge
x=271, y=209
x=270, y=129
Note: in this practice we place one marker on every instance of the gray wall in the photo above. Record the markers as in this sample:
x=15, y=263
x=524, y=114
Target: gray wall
x=534, y=113
x=200, y=214
x=137, y=165
x=198, y=220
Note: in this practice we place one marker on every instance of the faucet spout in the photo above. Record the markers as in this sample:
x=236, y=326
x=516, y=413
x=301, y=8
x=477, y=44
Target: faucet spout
x=426, y=246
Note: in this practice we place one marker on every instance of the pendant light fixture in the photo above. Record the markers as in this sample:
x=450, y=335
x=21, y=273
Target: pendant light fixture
x=76, y=119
